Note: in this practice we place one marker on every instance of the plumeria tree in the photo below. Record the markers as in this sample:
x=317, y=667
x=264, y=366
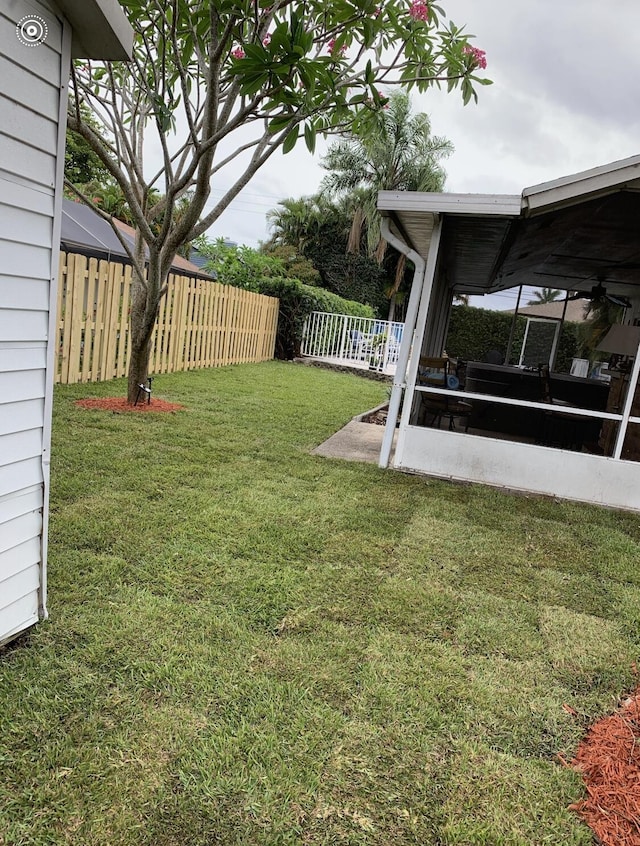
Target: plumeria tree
x=216, y=88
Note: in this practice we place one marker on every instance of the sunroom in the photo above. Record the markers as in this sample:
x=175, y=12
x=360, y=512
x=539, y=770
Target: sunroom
x=508, y=420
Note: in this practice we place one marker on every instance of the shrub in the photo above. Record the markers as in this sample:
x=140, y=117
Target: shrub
x=475, y=331
x=297, y=301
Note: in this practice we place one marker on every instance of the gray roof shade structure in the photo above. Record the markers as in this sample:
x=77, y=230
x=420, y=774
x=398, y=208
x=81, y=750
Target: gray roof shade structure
x=84, y=231
x=571, y=233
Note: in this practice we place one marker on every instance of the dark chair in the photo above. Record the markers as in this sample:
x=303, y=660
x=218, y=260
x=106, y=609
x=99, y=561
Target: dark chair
x=433, y=372
x=557, y=429
x=494, y=357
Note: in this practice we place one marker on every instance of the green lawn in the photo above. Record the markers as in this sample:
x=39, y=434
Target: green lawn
x=249, y=644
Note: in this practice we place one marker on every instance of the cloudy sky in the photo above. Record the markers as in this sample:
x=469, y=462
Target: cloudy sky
x=565, y=98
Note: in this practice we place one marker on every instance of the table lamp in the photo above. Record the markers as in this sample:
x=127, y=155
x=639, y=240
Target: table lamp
x=621, y=342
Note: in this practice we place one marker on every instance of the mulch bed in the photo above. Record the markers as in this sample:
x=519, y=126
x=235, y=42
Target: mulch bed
x=119, y=405
x=379, y=418
x=609, y=761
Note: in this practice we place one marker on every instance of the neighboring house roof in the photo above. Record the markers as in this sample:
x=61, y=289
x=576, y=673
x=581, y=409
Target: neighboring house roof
x=83, y=230
x=576, y=310
x=196, y=257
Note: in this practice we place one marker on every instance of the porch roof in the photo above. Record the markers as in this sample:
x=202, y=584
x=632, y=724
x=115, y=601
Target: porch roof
x=100, y=29
x=572, y=233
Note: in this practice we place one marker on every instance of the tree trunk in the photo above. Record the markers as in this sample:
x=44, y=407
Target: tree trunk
x=138, y=370
x=392, y=308
x=145, y=301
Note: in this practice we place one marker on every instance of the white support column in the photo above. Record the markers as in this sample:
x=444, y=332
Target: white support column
x=421, y=325
x=422, y=278
x=524, y=342
x=628, y=403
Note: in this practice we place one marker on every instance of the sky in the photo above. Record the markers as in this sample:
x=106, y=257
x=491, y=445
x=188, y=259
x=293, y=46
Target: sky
x=565, y=98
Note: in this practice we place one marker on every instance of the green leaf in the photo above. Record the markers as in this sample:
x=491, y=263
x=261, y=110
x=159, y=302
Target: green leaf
x=279, y=123
x=290, y=141
x=310, y=137
x=369, y=76
x=306, y=78
x=255, y=52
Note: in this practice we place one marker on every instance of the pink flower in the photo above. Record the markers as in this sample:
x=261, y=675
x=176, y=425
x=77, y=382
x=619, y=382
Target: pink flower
x=332, y=46
x=478, y=57
x=267, y=39
x=377, y=12
x=419, y=10
x=238, y=53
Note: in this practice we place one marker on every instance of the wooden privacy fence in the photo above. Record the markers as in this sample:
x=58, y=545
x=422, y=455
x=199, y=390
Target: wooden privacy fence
x=200, y=323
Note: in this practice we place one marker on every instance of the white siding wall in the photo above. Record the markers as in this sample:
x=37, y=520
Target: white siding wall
x=31, y=80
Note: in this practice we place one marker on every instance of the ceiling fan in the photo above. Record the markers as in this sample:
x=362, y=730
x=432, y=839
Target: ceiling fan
x=599, y=292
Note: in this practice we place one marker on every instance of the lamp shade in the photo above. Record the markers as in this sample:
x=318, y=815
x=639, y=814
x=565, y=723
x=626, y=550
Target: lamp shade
x=621, y=340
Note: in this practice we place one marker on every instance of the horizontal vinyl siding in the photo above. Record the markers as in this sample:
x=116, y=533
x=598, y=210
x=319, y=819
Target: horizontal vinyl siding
x=22, y=358
x=17, y=386
x=23, y=226
x=21, y=325
x=16, y=587
x=20, y=475
x=16, y=446
x=29, y=100
x=18, y=416
x=25, y=259
x=43, y=62
x=18, y=616
x=18, y=531
x=27, y=126
x=19, y=557
x=12, y=80
x=27, y=162
x=20, y=195
x=15, y=506
x=25, y=294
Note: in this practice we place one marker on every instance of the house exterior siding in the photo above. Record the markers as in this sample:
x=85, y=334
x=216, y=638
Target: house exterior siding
x=32, y=126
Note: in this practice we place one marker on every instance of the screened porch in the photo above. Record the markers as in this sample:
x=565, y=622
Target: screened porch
x=506, y=420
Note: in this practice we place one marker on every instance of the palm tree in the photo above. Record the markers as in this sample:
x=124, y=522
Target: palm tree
x=318, y=229
x=602, y=314
x=545, y=295
x=296, y=222
x=394, y=151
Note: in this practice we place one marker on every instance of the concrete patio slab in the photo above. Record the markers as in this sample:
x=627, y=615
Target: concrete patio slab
x=357, y=441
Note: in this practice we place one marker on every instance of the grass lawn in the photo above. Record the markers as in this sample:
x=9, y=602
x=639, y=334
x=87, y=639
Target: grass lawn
x=249, y=644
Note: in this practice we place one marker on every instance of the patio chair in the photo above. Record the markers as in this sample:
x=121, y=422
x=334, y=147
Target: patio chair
x=557, y=429
x=433, y=372
x=360, y=344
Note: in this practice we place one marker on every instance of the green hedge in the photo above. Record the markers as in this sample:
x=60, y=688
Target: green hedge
x=475, y=331
x=297, y=301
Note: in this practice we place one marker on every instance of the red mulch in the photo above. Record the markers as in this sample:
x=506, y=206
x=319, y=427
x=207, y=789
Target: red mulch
x=609, y=761
x=120, y=405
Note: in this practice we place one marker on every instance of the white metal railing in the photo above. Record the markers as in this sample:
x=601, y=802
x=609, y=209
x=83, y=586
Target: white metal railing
x=358, y=341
